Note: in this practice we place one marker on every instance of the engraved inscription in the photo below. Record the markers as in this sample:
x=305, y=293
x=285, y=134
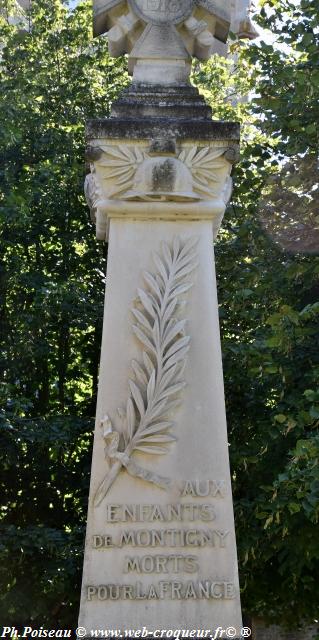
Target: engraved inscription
x=203, y=488
x=160, y=513
x=191, y=519
x=161, y=564
x=175, y=590
x=163, y=538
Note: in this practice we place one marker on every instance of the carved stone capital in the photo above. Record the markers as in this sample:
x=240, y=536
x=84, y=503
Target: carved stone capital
x=158, y=179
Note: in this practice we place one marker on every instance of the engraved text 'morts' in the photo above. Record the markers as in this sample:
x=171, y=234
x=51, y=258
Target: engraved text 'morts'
x=162, y=11
x=161, y=564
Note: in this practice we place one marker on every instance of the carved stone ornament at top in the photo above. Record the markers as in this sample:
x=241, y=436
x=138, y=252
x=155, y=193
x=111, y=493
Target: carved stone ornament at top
x=155, y=12
x=161, y=34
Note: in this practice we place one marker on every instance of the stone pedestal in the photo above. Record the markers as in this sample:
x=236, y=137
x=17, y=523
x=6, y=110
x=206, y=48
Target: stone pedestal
x=160, y=546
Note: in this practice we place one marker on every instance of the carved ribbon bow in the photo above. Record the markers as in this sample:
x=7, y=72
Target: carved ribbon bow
x=112, y=453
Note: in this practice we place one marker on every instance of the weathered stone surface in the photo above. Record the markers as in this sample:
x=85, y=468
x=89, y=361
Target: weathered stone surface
x=161, y=36
x=146, y=101
x=127, y=175
x=241, y=23
x=160, y=546
x=166, y=548
x=150, y=128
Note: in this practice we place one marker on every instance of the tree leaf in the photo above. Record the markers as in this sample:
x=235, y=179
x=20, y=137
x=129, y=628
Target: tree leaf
x=173, y=389
x=186, y=270
x=139, y=372
x=137, y=396
x=148, y=363
x=191, y=154
x=172, y=405
x=142, y=319
x=151, y=386
x=181, y=288
x=152, y=283
x=155, y=303
x=167, y=377
x=130, y=418
x=189, y=244
x=143, y=338
x=159, y=427
x=156, y=334
x=176, y=247
x=154, y=440
x=146, y=302
x=200, y=155
x=158, y=411
x=169, y=310
x=160, y=265
x=183, y=261
x=179, y=344
x=167, y=255
x=177, y=357
x=158, y=451
x=173, y=332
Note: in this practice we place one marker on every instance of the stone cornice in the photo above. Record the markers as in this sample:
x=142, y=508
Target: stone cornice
x=150, y=128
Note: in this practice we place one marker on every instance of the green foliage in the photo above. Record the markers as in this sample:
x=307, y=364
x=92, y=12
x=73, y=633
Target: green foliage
x=51, y=285
x=42, y=518
x=267, y=269
x=289, y=209
x=53, y=78
x=289, y=74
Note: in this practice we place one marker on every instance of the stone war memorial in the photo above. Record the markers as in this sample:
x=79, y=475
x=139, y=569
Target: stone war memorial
x=160, y=547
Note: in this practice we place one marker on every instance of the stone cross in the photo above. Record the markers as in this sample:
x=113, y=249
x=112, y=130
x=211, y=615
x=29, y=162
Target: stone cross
x=160, y=546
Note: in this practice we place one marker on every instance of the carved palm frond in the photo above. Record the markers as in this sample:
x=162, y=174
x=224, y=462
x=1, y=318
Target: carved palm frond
x=202, y=164
x=123, y=162
x=158, y=378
